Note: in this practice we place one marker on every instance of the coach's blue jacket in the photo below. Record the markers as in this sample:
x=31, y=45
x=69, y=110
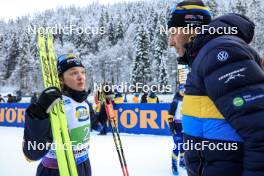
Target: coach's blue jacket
x=223, y=106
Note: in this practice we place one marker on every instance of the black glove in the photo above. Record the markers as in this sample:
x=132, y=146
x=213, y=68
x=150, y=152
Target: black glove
x=172, y=125
x=108, y=91
x=48, y=98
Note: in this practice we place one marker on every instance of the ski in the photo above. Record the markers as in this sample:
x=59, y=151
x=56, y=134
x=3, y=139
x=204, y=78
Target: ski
x=61, y=138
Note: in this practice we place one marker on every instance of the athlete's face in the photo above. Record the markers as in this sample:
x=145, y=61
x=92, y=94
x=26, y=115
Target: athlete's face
x=74, y=78
x=177, y=39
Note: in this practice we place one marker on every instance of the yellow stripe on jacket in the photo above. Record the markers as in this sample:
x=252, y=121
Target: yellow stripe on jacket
x=200, y=107
x=192, y=7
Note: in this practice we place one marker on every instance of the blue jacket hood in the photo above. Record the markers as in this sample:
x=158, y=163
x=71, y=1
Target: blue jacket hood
x=245, y=29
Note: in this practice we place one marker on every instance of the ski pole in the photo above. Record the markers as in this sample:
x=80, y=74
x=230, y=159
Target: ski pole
x=120, y=152
x=117, y=149
x=121, y=146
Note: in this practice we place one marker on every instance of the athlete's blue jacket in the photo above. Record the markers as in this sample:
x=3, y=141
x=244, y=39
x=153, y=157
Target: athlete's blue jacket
x=39, y=132
x=224, y=103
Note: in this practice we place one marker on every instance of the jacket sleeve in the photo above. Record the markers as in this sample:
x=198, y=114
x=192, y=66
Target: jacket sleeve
x=236, y=86
x=93, y=116
x=102, y=115
x=37, y=133
x=173, y=107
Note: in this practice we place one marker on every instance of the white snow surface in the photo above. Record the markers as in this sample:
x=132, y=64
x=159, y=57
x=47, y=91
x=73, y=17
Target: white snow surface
x=145, y=154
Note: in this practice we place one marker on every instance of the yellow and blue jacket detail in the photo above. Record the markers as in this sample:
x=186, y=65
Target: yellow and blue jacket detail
x=201, y=118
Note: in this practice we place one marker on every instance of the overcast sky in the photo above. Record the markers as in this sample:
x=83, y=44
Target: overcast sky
x=11, y=9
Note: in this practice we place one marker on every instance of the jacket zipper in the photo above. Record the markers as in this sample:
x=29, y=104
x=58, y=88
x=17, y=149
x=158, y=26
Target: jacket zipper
x=201, y=167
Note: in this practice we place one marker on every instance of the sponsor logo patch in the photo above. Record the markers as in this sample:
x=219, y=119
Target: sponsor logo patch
x=82, y=113
x=238, y=102
x=222, y=56
x=232, y=75
x=249, y=98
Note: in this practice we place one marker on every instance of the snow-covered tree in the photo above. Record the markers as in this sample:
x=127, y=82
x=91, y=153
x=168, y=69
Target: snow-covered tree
x=159, y=45
x=26, y=63
x=81, y=38
x=239, y=6
x=12, y=57
x=152, y=24
x=141, y=65
x=118, y=54
x=111, y=32
x=163, y=72
x=256, y=15
x=213, y=7
x=119, y=34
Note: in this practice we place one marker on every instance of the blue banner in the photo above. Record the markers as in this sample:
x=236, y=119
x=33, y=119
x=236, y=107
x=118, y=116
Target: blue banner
x=143, y=118
x=132, y=118
x=12, y=114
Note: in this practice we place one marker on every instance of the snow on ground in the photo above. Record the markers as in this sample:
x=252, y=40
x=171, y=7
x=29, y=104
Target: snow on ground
x=145, y=154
